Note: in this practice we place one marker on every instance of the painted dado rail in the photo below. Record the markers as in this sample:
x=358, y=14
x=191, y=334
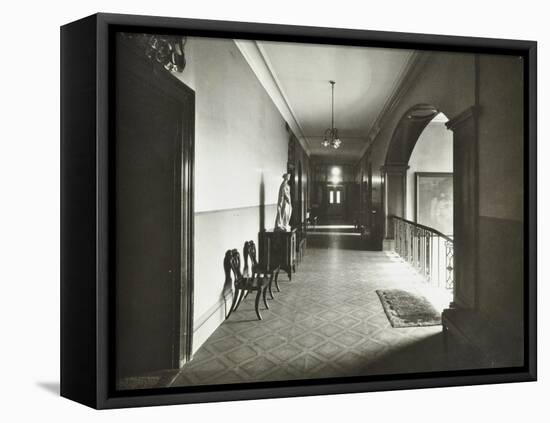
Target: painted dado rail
x=429, y=251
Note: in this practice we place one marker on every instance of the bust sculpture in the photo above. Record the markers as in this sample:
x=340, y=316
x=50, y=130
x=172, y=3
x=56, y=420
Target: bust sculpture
x=284, y=206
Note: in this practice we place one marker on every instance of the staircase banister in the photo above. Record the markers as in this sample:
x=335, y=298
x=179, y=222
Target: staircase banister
x=427, y=228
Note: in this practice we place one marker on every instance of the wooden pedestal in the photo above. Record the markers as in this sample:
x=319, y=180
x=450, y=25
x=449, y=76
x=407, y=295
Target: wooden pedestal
x=277, y=248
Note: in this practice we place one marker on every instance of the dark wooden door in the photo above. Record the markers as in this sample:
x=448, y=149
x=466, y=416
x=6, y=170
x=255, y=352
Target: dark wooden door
x=153, y=136
x=335, y=203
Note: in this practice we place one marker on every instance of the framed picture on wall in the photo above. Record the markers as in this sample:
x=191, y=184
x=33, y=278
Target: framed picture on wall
x=434, y=200
x=191, y=154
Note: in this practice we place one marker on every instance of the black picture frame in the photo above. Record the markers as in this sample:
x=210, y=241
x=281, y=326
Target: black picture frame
x=86, y=213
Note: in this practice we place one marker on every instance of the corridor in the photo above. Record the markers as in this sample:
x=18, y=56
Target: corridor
x=327, y=322
x=357, y=172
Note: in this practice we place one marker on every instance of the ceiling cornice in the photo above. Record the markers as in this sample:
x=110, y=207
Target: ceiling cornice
x=258, y=61
x=408, y=76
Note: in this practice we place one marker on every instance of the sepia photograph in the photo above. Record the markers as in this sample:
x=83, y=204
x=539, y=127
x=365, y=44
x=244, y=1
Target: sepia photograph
x=299, y=211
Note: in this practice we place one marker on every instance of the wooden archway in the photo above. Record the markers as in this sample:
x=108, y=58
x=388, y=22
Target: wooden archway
x=404, y=138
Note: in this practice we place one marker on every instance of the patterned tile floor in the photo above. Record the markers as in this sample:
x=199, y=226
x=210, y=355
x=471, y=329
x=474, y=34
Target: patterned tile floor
x=328, y=321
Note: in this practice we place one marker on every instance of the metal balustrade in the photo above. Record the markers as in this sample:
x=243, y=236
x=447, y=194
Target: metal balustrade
x=429, y=251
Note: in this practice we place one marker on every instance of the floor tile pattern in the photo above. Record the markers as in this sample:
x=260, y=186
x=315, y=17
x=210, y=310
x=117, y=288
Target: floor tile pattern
x=328, y=321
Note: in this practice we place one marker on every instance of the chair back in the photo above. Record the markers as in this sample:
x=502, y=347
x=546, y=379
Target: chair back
x=235, y=264
x=227, y=266
x=246, y=255
x=252, y=254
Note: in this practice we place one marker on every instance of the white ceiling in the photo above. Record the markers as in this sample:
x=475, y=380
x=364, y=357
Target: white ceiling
x=365, y=79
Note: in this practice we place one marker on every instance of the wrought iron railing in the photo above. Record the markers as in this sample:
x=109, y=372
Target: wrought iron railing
x=429, y=251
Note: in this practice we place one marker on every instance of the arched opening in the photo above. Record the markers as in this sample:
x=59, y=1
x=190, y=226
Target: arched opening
x=429, y=180
x=407, y=132
x=421, y=143
x=419, y=197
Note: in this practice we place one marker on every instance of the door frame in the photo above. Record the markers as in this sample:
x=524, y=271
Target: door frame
x=184, y=173
x=187, y=227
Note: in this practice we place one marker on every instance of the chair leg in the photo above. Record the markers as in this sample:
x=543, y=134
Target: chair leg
x=265, y=299
x=240, y=299
x=233, y=303
x=277, y=279
x=258, y=295
x=268, y=288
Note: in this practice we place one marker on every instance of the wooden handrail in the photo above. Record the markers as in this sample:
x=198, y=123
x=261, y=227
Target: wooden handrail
x=426, y=228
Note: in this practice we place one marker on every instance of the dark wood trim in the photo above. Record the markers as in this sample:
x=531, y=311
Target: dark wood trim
x=186, y=352
x=172, y=87
x=395, y=168
x=462, y=117
x=465, y=140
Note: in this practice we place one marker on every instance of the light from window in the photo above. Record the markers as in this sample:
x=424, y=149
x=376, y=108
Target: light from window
x=331, y=197
x=337, y=197
x=336, y=175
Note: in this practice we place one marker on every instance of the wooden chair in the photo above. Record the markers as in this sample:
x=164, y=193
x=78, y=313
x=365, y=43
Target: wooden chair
x=263, y=270
x=245, y=282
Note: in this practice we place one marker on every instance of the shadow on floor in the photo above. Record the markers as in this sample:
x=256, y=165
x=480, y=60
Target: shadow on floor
x=51, y=387
x=425, y=355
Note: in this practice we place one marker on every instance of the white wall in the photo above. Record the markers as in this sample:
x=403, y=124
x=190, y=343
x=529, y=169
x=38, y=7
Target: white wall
x=240, y=143
x=239, y=134
x=433, y=152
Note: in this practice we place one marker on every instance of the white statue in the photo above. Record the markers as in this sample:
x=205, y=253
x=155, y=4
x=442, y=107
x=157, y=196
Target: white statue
x=284, y=206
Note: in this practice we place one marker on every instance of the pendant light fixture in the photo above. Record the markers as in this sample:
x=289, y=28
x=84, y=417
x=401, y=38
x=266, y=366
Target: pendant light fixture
x=331, y=138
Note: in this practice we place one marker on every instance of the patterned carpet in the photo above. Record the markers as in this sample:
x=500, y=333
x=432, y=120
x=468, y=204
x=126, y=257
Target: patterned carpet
x=405, y=309
x=327, y=322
